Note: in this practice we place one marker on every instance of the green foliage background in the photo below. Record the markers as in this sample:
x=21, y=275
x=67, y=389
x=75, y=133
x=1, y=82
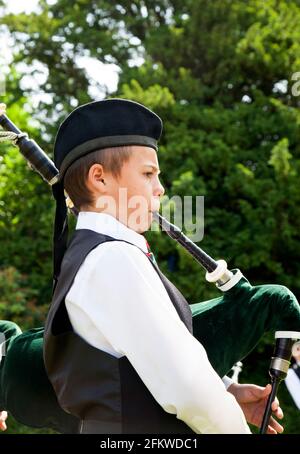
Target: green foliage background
x=220, y=74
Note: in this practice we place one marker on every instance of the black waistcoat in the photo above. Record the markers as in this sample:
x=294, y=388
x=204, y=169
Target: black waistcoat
x=90, y=383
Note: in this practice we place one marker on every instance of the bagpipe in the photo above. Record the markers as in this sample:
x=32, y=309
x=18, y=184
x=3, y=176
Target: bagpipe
x=233, y=284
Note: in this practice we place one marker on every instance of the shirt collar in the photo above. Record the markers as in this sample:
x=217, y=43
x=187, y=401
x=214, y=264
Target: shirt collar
x=108, y=225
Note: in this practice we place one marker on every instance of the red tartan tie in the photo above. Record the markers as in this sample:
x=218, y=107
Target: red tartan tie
x=150, y=254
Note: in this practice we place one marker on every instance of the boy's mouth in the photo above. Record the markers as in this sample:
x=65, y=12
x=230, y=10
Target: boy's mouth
x=154, y=208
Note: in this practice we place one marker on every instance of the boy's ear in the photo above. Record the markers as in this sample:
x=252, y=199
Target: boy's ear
x=95, y=177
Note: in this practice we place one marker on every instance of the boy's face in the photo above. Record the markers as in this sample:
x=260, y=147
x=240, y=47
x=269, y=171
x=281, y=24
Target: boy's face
x=136, y=193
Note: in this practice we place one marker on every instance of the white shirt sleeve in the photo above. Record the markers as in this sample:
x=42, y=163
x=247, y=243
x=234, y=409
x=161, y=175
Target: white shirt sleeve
x=227, y=381
x=293, y=385
x=125, y=300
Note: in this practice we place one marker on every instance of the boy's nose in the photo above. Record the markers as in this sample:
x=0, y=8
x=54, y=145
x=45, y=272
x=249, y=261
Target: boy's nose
x=159, y=190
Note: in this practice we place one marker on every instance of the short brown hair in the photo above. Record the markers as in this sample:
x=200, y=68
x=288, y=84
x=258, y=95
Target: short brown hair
x=112, y=160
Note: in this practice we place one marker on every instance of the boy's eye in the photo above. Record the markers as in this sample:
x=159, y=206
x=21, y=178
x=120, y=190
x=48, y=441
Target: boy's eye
x=148, y=174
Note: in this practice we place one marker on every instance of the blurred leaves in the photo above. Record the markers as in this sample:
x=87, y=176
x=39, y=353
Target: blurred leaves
x=280, y=158
x=17, y=301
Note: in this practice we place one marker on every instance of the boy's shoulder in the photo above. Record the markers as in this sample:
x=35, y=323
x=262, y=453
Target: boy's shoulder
x=118, y=250
x=115, y=261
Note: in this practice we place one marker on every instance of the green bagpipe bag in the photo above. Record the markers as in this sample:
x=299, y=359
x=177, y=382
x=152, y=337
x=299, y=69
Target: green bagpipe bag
x=229, y=327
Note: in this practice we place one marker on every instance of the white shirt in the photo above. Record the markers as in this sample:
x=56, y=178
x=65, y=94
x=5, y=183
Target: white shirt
x=118, y=304
x=293, y=385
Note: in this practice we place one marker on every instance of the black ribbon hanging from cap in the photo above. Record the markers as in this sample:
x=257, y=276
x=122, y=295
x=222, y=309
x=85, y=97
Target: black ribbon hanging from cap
x=60, y=234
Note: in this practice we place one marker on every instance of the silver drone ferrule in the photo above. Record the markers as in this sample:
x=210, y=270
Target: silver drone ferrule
x=280, y=364
x=222, y=277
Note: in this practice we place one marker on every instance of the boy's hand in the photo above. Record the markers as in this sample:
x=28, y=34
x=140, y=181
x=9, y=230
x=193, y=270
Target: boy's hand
x=3, y=417
x=252, y=400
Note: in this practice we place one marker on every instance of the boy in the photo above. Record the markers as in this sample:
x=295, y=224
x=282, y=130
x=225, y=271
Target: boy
x=118, y=347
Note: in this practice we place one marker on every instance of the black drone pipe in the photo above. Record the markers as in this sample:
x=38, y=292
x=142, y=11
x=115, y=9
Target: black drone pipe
x=33, y=154
x=279, y=367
